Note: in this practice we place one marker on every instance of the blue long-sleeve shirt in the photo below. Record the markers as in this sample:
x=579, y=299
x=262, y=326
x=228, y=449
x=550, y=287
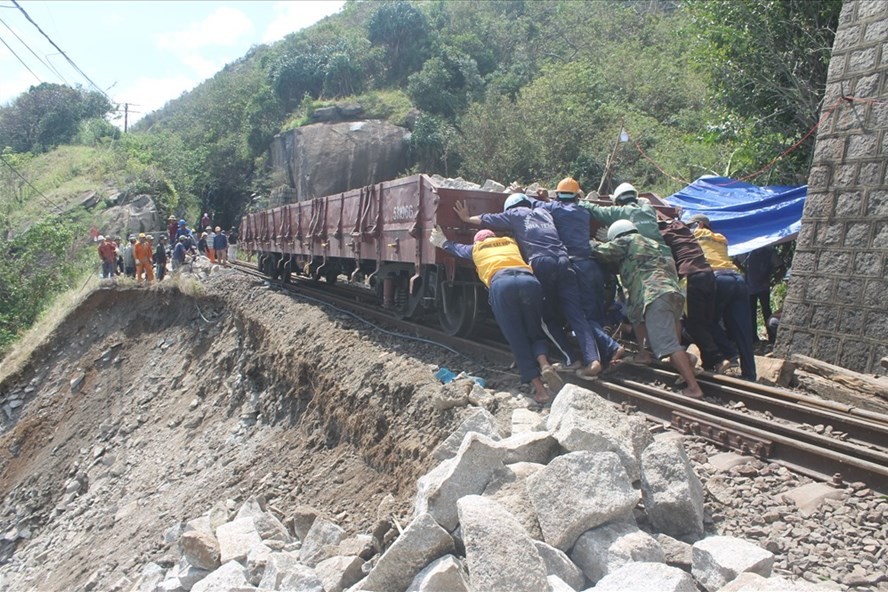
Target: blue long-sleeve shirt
x=572, y=222
x=534, y=231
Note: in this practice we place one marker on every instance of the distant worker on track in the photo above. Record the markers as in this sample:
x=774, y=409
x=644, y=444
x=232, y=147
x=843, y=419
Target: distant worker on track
x=143, y=255
x=232, y=244
x=108, y=256
x=160, y=257
x=220, y=246
x=179, y=253
x=516, y=298
x=655, y=298
x=129, y=259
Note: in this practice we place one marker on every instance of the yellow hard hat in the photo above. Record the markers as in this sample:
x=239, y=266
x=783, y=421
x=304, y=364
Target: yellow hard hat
x=568, y=185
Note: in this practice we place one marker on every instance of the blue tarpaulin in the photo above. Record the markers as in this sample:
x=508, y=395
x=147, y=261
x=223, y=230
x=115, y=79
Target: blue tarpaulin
x=749, y=216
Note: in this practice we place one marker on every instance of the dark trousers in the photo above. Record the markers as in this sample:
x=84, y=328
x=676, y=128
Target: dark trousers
x=700, y=316
x=161, y=270
x=732, y=308
x=516, y=298
x=560, y=288
x=765, y=299
x=590, y=281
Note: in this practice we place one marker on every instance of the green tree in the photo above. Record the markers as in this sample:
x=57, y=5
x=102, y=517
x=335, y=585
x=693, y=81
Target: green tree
x=402, y=30
x=48, y=115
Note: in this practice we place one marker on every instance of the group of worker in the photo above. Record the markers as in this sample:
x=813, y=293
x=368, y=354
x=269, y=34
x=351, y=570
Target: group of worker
x=139, y=259
x=550, y=272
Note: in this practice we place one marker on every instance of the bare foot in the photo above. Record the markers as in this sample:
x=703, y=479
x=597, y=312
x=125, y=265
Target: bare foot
x=590, y=372
x=618, y=356
x=692, y=393
x=643, y=358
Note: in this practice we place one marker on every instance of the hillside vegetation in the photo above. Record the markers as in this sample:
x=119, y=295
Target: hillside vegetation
x=506, y=89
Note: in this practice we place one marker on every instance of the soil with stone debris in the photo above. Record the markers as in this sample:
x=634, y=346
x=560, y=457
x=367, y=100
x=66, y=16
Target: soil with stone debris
x=148, y=407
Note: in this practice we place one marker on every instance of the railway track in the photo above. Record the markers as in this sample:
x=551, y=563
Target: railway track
x=823, y=439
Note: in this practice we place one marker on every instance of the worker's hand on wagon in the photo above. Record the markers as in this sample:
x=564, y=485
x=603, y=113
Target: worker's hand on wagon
x=437, y=237
x=461, y=210
x=601, y=234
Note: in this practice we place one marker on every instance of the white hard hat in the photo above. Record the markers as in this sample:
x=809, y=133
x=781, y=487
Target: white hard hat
x=625, y=192
x=619, y=228
x=514, y=200
x=101, y=237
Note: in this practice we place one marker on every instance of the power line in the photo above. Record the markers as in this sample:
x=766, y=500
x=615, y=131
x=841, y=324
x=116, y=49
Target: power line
x=12, y=51
x=28, y=47
x=53, y=43
x=23, y=178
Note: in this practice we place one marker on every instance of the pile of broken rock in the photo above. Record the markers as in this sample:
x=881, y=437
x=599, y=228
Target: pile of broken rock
x=554, y=506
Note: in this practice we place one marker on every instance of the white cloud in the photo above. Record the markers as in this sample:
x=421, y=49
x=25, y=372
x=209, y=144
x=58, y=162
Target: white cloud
x=203, y=67
x=223, y=27
x=293, y=16
x=152, y=93
x=13, y=86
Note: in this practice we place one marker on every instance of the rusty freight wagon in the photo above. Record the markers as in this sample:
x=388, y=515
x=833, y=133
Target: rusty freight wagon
x=378, y=236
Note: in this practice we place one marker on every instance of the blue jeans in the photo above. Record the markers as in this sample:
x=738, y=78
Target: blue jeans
x=516, y=298
x=732, y=308
x=108, y=269
x=590, y=280
x=560, y=288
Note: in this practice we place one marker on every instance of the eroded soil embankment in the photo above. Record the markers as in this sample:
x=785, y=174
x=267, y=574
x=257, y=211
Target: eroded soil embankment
x=181, y=401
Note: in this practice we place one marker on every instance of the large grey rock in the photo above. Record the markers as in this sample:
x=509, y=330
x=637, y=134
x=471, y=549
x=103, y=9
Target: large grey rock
x=236, y=538
x=634, y=577
x=188, y=575
x=579, y=491
x=719, y=559
x=672, y=492
x=465, y=474
x=478, y=420
x=200, y=549
x=301, y=519
x=559, y=564
x=270, y=528
x=582, y=420
x=605, y=549
x=321, y=534
x=524, y=420
x=136, y=214
x=556, y=584
x=284, y=572
x=750, y=582
x=229, y=575
x=676, y=553
x=500, y=554
x=323, y=159
x=257, y=562
x=421, y=542
x=508, y=487
x=445, y=574
x=338, y=573
x=532, y=447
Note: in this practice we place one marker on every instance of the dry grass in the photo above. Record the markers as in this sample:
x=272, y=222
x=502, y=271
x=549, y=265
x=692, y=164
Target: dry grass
x=21, y=351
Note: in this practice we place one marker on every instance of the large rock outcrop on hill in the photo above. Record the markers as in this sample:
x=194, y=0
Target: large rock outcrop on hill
x=327, y=158
x=132, y=215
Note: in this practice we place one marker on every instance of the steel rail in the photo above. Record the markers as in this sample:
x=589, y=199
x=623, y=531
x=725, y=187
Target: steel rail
x=872, y=430
x=820, y=457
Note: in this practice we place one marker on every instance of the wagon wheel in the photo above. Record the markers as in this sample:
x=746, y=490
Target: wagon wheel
x=459, y=309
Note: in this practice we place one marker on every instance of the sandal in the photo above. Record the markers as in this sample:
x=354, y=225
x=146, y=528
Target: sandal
x=551, y=378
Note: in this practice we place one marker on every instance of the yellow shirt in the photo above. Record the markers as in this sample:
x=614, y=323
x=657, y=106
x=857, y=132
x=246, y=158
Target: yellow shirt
x=715, y=248
x=494, y=254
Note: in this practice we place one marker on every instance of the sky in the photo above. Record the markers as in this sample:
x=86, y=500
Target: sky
x=144, y=53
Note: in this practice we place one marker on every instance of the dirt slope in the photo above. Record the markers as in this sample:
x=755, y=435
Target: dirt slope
x=147, y=406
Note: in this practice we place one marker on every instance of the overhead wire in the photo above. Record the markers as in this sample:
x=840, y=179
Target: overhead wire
x=53, y=43
x=28, y=47
x=12, y=51
x=25, y=179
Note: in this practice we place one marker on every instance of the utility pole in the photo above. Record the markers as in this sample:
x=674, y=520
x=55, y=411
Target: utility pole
x=125, y=116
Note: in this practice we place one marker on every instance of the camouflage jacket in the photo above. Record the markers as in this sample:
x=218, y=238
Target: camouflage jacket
x=644, y=272
x=643, y=215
